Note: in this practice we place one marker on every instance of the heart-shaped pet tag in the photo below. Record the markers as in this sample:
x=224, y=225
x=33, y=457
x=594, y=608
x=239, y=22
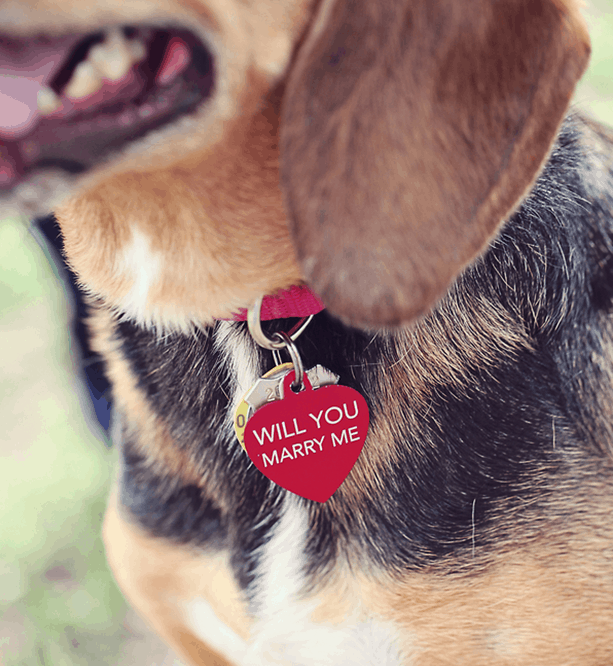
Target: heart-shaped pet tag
x=308, y=442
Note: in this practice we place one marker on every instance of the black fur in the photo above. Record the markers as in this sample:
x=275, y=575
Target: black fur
x=495, y=451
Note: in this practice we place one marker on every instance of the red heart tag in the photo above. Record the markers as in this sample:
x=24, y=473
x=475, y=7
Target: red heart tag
x=308, y=441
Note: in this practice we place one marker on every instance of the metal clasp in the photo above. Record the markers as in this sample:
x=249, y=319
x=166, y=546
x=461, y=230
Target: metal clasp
x=279, y=341
x=255, y=328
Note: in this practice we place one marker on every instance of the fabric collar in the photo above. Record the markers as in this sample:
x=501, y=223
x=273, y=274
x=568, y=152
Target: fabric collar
x=292, y=302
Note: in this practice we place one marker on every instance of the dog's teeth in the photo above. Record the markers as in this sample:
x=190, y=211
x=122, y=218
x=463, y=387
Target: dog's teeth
x=85, y=80
x=47, y=101
x=116, y=55
x=110, y=60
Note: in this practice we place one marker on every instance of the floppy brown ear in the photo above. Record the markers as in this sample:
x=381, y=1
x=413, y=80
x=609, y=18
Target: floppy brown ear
x=410, y=130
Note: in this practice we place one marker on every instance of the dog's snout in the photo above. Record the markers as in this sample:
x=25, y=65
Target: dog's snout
x=81, y=97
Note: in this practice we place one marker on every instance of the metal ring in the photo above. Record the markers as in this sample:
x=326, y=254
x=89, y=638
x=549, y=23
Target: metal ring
x=276, y=357
x=296, y=360
x=255, y=328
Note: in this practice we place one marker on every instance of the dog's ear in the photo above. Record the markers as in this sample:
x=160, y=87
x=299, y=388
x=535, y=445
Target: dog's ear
x=410, y=130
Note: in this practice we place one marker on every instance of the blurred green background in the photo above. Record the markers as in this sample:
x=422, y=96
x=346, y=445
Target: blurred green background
x=58, y=603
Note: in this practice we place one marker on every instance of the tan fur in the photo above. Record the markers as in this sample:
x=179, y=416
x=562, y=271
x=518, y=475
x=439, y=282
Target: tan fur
x=535, y=601
x=187, y=185
x=334, y=604
x=540, y=606
x=201, y=214
x=156, y=577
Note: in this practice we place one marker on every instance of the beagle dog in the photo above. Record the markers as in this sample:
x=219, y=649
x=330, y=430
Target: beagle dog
x=413, y=163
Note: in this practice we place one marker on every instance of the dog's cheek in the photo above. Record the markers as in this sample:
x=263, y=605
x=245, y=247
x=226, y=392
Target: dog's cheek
x=190, y=243
x=164, y=262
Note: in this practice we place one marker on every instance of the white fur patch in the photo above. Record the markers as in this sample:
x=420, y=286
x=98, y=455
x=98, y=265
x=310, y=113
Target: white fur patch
x=201, y=619
x=285, y=634
x=144, y=267
x=239, y=353
x=280, y=578
x=275, y=58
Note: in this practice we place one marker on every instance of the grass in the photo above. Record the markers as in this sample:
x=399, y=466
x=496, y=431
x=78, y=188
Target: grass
x=58, y=602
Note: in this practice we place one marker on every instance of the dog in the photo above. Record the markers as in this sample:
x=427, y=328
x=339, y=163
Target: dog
x=415, y=164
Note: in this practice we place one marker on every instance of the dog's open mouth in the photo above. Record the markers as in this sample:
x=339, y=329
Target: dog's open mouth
x=69, y=101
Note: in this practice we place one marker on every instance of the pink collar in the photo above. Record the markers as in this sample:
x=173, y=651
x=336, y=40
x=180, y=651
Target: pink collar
x=292, y=302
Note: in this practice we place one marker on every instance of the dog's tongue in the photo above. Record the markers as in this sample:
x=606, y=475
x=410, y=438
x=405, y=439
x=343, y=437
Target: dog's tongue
x=80, y=122
x=24, y=69
x=18, y=113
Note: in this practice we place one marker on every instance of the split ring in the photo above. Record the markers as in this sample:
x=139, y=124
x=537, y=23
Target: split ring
x=255, y=328
x=298, y=383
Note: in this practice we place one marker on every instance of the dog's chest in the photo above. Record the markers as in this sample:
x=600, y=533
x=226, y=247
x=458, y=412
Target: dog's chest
x=295, y=616
x=290, y=625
